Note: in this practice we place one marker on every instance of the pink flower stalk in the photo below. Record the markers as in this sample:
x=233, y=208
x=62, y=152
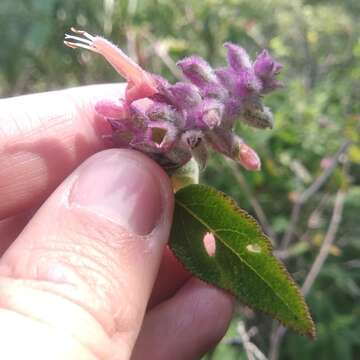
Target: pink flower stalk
x=174, y=122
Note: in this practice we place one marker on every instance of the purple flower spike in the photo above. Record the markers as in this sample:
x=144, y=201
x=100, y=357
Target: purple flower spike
x=237, y=57
x=172, y=123
x=197, y=70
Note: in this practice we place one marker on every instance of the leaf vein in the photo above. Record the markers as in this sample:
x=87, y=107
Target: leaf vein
x=240, y=258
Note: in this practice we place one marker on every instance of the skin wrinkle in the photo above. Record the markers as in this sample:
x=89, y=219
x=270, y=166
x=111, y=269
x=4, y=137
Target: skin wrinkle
x=84, y=262
x=10, y=126
x=22, y=315
x=64, y=252
x=92, y=282
x=66, y=291
x=62, y=270
x=81, y=287
x=24, y=160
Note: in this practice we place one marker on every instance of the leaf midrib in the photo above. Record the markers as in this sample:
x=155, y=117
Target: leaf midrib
x=240, y=258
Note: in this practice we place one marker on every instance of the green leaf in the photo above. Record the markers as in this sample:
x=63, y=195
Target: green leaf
x=243, y=263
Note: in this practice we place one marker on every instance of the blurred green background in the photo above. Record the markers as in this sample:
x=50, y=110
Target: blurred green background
x=316, y=134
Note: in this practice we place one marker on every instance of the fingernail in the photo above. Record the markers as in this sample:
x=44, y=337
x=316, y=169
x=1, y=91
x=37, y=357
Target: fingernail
x=118, y=186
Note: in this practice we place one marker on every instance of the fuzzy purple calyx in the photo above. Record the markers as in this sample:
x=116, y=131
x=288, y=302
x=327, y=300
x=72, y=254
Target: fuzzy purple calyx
x=237, y=57
x=197, y=70
x=173, y=123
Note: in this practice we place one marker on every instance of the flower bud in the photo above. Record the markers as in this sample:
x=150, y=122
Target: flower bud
x=179, y=154
x=214, y=91
x=253, y=102
x=138, y=109
x=237, y=57
x=265, y=66
x=197, y=70
x=185, y=95
x=258, y=118
x=161, y=111
x=163, y=94
x=212, y=113
x=222, y=140
x=246, y=156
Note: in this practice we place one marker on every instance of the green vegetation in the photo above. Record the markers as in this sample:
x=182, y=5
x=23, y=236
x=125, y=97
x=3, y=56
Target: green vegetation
x=316, y=116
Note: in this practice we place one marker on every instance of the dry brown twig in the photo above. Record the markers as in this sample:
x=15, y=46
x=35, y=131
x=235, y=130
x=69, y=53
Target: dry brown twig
x=305, y=237
x=315, y=269
x=251, y=350
x=309, y=192
x=328, y=240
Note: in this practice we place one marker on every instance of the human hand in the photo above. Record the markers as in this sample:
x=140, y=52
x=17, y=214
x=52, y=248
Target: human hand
x=79, y=271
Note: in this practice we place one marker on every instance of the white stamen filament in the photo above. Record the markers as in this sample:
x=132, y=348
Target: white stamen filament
x=86, y=43
x=79, y=45
x=84, y=33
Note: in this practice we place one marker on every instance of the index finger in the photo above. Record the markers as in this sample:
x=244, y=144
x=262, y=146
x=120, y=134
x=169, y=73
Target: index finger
x=43, y=137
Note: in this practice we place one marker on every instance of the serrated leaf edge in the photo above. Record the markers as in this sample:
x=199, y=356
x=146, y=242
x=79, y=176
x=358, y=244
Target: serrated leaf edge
x=312, y=332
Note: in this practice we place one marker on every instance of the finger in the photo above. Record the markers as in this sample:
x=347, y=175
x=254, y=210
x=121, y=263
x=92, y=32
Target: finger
x=43, y=137
x=171, y=277
x=187, y=325
x=11, y=227
x=87, y=261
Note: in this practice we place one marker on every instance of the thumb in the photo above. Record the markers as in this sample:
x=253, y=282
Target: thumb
x=77, y=280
